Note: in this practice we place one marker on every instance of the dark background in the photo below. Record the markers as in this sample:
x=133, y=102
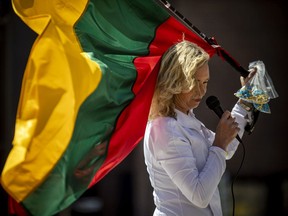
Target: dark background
x=249, y=30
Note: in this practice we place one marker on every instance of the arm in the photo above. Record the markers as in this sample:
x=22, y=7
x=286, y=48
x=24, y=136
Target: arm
x=242, y=117
x=178, y=159
x=198, y=186
x=241, y=113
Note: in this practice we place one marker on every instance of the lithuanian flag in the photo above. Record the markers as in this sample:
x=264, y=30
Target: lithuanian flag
x=85, y=94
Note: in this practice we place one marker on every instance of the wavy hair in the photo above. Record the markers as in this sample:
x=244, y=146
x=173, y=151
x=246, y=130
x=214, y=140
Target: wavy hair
x=178, y=67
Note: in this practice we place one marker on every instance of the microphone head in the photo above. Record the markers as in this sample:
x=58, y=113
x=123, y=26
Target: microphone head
x=212, y=102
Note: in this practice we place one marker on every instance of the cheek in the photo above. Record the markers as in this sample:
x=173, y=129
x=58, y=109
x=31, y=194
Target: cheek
x=193, y=104
x=203, y=89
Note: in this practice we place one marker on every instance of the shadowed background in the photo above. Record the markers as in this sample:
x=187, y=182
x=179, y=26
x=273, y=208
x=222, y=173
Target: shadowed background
x=249, y=30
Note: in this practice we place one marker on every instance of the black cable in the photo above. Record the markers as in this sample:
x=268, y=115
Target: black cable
x=233, y=181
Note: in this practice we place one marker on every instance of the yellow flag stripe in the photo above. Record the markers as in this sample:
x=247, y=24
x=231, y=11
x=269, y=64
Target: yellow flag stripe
x=57, y=79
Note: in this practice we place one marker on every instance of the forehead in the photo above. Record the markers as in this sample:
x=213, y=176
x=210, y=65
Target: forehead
x=203, y=72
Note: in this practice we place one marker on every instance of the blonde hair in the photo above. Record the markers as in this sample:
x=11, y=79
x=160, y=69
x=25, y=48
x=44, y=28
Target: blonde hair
x=178, y=67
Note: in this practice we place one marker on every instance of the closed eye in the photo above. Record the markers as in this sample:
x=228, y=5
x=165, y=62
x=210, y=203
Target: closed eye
x=205, y=82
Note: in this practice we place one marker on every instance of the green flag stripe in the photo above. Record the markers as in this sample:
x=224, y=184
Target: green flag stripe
x=113, y=33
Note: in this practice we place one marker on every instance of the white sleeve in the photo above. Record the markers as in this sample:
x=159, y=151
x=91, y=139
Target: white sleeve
x=179, y=162
x=241, y=117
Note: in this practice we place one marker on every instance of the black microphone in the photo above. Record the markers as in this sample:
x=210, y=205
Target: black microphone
x=214, y=104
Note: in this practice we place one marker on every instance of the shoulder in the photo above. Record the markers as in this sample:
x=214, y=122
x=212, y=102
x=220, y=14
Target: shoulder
x=165, y=138
x=164, y=125
x=164, y=131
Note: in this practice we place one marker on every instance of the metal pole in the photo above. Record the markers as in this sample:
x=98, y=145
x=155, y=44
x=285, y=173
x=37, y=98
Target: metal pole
x=210, y=40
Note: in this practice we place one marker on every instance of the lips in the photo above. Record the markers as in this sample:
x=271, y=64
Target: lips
x=197, y=99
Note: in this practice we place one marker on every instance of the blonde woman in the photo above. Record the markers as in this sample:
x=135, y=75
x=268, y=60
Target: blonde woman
x=184, y=159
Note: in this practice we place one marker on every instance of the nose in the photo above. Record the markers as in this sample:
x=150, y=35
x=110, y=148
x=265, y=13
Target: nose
x=201, y=90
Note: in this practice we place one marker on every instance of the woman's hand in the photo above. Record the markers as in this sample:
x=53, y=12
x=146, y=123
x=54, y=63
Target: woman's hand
x=244, y=80
x=227, y=129
x=246, y=105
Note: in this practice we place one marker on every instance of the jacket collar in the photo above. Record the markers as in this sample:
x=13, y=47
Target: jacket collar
x=188, y=120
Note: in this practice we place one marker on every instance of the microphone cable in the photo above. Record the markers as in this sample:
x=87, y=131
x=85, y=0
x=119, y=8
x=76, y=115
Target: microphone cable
x=214, y=104
x=235, y=177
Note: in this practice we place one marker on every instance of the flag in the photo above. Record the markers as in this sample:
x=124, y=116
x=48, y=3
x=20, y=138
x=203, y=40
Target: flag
x=85, y=95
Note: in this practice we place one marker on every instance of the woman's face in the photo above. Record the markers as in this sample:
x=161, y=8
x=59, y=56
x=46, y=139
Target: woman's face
x=190, y=100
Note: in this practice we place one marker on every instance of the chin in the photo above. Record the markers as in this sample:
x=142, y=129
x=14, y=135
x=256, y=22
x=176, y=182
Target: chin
x=194, y=106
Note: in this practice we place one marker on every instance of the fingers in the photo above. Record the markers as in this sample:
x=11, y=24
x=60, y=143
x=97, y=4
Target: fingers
x=227, y=129
x=226, y=115
x=251, y=70
x=251, y=74
x=242, y=81
x=230, y=121
x=234, y=125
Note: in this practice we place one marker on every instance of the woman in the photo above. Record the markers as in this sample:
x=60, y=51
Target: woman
x=184, y=159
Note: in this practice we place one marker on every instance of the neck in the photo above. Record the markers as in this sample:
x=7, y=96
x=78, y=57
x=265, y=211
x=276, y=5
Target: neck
x=180, y=105
x=185, y=111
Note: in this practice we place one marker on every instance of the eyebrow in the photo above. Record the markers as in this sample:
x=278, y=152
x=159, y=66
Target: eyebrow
x=204, y=80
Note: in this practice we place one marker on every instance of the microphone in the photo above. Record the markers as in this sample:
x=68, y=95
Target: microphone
x=214, y=104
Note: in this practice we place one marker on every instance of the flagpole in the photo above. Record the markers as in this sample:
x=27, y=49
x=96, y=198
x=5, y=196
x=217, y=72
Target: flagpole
x=210, y=40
